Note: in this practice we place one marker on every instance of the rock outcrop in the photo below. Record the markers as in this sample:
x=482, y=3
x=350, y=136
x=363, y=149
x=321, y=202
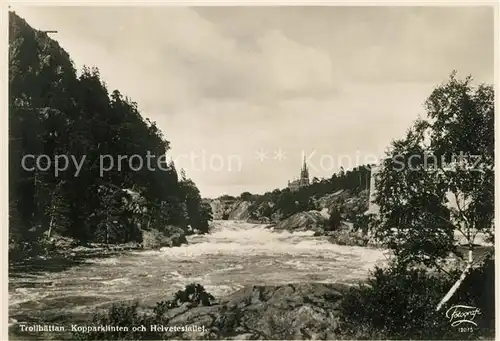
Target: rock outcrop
x=303, y=221
x=317, y=221
x=230, y=209
x=293, y=311
x=330, y=200
x=239, y=211
x=218, y=207
x=346, y=235
x=351, y=204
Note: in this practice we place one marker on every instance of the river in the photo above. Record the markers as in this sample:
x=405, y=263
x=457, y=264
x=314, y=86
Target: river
x=234, y=254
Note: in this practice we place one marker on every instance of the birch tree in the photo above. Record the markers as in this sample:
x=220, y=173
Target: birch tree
x=436, y=186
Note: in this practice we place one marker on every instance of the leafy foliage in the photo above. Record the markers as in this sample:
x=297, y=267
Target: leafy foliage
x=194, y=293
x=400, y=303
x=335, y=219
x=439, y=178
x=431, y=186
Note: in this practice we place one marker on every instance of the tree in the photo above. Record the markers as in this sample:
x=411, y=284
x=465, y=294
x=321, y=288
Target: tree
x=246, y=196
x=54, y=112
x=199, y=212
x=341, y=172
x=57, y=211
x=335, y=219
x=432, y=186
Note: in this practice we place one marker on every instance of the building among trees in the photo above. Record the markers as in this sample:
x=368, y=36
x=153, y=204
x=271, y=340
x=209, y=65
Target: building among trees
x=302, y=181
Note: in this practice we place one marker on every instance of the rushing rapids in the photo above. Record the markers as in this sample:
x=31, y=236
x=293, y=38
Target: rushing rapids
x=233, y=255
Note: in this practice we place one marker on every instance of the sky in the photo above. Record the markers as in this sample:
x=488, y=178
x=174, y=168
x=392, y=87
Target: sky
x=244, y=94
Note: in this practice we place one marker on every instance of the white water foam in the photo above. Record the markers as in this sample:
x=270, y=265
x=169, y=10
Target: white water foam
x=233, y=255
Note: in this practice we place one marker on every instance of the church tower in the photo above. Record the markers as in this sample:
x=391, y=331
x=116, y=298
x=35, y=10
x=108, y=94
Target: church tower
x=302, y=181
x=304, y=174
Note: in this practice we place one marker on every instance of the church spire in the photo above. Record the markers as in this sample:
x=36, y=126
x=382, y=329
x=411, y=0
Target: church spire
x=304, y=174
x=303, y=180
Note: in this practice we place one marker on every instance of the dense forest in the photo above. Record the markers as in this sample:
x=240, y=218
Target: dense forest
x=54, y=111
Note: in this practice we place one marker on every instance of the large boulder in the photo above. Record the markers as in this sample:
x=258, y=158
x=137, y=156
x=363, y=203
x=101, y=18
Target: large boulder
x=303, y=221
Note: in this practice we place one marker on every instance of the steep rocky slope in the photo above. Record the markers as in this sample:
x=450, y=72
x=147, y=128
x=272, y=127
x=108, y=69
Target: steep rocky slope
x=303, y=221
x=230, y=209
x=237, y=209
x=353, y=228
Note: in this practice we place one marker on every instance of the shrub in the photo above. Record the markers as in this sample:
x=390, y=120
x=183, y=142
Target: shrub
x=361, y=222
x=400, y=303
x=194, y=294
x=395, y=302
x=478, y=290
x=335, y=219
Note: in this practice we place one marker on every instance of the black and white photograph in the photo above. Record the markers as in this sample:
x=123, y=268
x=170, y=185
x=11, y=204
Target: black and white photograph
x=251, y=172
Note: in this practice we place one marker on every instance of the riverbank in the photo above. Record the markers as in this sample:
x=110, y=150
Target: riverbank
x=293, y=311
x=63, y=250
x=247, y=264
x=300, y=311
x=63, y=258
x=317, y=222
x=234, y=255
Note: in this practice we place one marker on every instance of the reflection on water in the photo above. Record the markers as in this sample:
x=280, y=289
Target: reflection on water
x=233, y=255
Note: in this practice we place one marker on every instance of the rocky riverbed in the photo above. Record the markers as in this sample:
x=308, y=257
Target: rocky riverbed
x=292, y=311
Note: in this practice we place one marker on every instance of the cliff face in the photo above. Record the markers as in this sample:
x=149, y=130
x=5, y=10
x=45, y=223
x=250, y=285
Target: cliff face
x=230, y=209
x=303, y=221
x=249, y=210
x=240, y=211
x=218, y=208
x=352, y=204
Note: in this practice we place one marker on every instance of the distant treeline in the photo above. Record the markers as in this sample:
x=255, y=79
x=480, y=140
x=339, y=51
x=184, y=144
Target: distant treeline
x=285, y=202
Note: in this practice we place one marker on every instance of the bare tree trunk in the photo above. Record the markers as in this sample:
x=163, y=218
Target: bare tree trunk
x=457, y=284
x=107, y=230
x=51, y=224
x=470, y=243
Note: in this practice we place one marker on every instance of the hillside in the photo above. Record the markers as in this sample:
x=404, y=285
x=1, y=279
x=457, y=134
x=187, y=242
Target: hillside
x=343, y=197
x=65, y=117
